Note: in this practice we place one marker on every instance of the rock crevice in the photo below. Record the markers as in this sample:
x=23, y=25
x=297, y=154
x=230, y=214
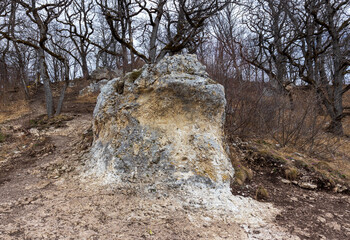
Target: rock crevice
x=162, y=123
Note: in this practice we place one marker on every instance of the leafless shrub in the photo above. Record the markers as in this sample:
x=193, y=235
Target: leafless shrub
x=253, y=110
x=298, y=124
x=243, y=102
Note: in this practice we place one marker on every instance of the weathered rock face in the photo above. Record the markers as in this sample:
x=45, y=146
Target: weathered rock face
x=104, y=73
x=99, y=78
x=158, y=138
x=162, y=124
x=94, y=87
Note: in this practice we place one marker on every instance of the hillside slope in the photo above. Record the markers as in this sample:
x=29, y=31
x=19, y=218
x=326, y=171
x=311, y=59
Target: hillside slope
x=42, y=195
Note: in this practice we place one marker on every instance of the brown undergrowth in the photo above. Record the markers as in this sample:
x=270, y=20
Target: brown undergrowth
x=42, y=121
x=87, y=98
x=289, y=165
x=13, y=110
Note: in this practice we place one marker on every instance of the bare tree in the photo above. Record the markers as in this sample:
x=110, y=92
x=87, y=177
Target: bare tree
x=336, y=22
x=41, y=15
x=181, y=21
x=319, y=33
x=267, y=22
x=79, y=19
x=226, y=33
x=14, y=58
x=301, y=41
x=19, y=52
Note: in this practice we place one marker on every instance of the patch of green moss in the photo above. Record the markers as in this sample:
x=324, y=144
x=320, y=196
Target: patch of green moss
x=263, y=142
x=135, y=74
x=2, y=137
x=301, y=164
x=190, y=70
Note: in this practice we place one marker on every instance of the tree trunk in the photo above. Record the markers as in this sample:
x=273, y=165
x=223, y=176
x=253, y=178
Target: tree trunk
x=23, y=75
x=154, y=34
x=336, y=125
x=61, y=98
x=19, y=56
x=84, y=66
x=132, y=56
x=45, y=78
x=64, y=88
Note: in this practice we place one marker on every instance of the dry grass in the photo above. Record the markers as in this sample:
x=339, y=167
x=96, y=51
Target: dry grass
x=261, y=193
x=332, y=161
x=346, y=126
x=42, y=121
x=14, y=110
x=292, y=173
x=87, y=98
x=2, y=137
x=242, y=174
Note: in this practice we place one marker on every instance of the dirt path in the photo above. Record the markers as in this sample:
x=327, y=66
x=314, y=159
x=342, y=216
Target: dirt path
x=34, y=165
x=42, y=197
x=45, y=199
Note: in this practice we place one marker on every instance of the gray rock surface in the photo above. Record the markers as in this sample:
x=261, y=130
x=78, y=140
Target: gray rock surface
x=158, y=133
x=94, y=87
x=162, y=124
x=104, y=73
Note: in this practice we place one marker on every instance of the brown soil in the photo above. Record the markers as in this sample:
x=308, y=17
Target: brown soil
x=45, y=199
x=309, y=214
x=41, y=196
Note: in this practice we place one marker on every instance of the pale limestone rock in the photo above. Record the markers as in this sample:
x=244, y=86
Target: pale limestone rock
x=94, y=87
x=104, y=73
x=308, y=185
x=158, y=132
x=162, y=123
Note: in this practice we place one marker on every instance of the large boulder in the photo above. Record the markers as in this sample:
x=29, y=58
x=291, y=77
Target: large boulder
x=158, y=138
x=163, y=125
x=99, y=77
x=104, y=73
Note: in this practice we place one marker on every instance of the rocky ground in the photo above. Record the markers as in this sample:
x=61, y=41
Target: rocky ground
x=43, y=195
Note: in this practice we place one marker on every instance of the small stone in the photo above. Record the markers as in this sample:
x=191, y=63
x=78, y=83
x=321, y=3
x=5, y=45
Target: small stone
x=321, y=219
x=308, y=185
x=329, y=215
x=302, y=232
x=336, y=226
x=299, y=154
x=285, y=181
x=321, y=237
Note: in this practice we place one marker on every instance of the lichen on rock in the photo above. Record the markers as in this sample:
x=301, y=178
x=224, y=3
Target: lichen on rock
x=161, y=124
x=158, y=134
